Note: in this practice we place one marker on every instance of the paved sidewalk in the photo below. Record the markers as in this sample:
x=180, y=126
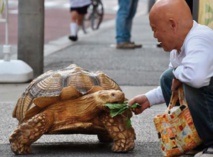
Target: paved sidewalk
x=137, y=71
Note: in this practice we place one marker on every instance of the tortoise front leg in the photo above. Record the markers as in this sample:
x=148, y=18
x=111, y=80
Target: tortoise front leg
x=122, y=135
x=28, y=132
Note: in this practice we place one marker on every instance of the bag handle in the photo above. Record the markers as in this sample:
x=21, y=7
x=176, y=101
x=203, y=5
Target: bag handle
x=178, y=95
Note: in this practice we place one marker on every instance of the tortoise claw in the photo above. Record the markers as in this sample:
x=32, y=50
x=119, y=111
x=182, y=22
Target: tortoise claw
x=18, y=148
x=122, y=136
x=27, y=133
x=125, y=141
x=123, y=146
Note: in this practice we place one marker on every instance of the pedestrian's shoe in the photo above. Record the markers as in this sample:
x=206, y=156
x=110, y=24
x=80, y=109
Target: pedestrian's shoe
x=73, y=38
x=128, y=45
x=208, y=152
x=136, y=45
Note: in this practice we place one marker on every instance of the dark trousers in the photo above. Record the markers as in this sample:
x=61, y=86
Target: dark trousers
x=200, y=102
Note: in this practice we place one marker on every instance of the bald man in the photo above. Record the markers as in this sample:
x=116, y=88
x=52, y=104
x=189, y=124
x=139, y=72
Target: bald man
x=191, y=65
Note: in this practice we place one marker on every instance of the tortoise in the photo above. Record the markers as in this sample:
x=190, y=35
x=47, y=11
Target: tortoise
x=68, y=101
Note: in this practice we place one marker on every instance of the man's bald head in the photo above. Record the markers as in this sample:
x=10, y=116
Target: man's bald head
x=174, y=19
x=171, y=9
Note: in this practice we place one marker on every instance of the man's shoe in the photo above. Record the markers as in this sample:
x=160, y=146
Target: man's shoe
x=208, y=152
x=128, y=45
x=73, y=38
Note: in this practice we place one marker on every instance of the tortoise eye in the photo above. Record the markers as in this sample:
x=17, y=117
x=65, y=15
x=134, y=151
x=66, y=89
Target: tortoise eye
x=113, y=94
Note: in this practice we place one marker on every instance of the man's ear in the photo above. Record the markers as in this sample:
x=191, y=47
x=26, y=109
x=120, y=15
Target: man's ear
x=173, y=24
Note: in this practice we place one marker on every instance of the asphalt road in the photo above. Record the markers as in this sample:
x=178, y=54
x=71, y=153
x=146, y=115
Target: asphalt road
x=146, y=143
x=96, y=51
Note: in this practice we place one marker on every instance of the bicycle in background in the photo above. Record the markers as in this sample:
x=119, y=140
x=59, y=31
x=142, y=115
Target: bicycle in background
x=94, y=16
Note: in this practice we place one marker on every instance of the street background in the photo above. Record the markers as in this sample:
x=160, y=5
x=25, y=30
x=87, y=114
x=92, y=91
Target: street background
x=136, y=71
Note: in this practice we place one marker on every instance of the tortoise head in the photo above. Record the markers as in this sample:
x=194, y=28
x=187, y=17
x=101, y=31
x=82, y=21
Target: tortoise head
x=110, y=96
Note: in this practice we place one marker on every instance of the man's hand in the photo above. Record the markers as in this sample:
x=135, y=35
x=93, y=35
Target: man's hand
x=175, y=84
x=142, y=101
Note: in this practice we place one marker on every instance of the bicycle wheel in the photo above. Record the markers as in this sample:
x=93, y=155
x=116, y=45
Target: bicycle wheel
x=97, y=14
x=87, y=19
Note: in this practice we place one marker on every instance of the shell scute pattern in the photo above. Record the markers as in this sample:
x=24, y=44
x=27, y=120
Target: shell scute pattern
x=83, y=81
x=50, y=86
x=51, y=83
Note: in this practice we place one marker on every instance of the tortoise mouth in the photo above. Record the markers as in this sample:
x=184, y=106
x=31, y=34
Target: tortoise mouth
x=118, y=102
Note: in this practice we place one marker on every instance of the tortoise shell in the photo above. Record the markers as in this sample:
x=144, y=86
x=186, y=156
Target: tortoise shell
x=52, y=86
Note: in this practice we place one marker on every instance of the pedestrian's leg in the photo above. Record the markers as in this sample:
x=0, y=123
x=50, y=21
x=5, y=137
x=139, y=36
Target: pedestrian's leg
x=133, y=9
x=122, y=34
x=74, y=26
x=80, y=20
x=166, y=84
x=200, y=102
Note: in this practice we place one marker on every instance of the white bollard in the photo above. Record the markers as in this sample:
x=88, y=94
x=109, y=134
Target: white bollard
x=15, y=71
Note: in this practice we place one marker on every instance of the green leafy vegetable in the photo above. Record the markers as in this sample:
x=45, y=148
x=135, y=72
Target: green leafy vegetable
x=129, y=123
x=117, y=109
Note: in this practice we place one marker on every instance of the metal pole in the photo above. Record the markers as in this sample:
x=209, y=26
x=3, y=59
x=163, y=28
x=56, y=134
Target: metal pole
x=6, y=22
x=31, y=34
x=6, y=47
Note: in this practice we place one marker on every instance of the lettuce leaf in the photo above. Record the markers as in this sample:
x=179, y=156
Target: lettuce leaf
x=116, y=109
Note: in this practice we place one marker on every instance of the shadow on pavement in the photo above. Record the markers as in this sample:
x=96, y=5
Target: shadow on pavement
x=150, y=149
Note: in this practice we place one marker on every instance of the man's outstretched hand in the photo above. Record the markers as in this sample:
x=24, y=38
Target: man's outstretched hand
x=142, y=101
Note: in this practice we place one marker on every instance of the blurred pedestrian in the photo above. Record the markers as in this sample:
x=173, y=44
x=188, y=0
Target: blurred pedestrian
x=78, y=9
x=124, y=19
x=190, y=46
